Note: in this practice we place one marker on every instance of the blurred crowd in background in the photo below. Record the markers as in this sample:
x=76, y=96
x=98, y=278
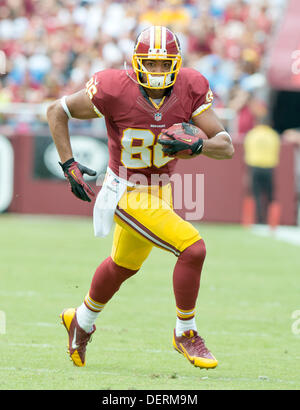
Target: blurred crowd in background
x=53, y=47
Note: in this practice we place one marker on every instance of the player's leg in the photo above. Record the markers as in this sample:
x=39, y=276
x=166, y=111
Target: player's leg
x=273, y=205
x=257, y=193
x=128, y=254
x=268, y=190
x=165, y=229
x=186, y=283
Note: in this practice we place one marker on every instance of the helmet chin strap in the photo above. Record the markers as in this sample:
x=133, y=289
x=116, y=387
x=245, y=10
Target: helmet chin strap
x=131, y=78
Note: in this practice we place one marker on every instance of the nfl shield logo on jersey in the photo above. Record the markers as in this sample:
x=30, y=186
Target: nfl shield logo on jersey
x=157, y=116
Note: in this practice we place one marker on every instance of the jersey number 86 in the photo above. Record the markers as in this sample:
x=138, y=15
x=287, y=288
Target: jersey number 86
x=140, y=151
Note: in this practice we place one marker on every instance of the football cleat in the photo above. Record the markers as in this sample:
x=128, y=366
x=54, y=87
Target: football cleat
x=156, y=43
x=192, y=346
x=78, y=338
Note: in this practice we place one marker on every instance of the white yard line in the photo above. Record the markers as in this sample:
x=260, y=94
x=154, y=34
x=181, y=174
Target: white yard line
x=19, y=293
x=30, y=345
x=43, y=370
x=42, y=324
x=289, y=234
x=238, y=334
x=108, y=349
x=88, y=372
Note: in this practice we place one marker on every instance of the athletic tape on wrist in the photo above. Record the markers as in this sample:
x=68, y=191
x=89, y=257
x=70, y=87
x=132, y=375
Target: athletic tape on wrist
x=65, y=107
x=224, y=132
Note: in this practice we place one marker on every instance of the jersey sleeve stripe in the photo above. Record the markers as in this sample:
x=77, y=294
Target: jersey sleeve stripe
x=201, y=109
x=100, y=115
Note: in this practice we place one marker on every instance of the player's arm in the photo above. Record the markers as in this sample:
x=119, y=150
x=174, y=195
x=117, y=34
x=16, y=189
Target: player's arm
x=77, y=105
x=59, y=112
x=219, y=144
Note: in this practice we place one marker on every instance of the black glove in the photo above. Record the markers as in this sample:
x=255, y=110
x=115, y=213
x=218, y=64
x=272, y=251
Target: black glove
x=176, y=146
x=74, y=173
x=178, y=143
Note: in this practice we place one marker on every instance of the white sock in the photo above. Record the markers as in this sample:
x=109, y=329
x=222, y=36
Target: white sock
x=86, y=318
x=183, y=325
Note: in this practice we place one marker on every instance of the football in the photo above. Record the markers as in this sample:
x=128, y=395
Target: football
x=185, y=132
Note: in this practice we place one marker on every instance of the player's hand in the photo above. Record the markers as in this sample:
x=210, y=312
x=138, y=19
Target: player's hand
x=175, y=146
x=174, y=143
x=74, y=173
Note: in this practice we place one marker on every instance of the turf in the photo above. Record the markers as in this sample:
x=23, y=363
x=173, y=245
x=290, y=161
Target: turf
x=249, y=290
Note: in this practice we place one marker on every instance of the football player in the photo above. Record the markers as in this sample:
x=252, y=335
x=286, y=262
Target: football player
x=138, y=104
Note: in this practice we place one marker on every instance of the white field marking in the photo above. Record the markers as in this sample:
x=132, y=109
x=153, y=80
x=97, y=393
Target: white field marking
x=42, y=324
x=289, y=234
x=136, y=350
x=29, y=369
x=270, y=304
x=248, y=379
x=216, y=332
x=108, y=349
x=2, y=322
x=246, y=334
x=113, y=349
x=88, y=372
x=231, y=354
x=43, y=370
x=27, y=293
x=239, y=379
x=30, y=345
x=170, y=351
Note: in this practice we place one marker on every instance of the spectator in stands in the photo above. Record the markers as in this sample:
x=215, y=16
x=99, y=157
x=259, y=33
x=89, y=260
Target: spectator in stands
x=44, y=41
x=262, y=148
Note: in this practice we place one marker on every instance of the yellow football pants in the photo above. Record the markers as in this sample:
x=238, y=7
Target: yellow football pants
x=145, y=218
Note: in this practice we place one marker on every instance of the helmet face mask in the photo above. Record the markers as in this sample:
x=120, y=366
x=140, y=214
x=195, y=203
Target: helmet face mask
x=156, y=43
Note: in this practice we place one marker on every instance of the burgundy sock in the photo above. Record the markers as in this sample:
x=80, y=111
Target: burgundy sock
x=186, y=277
x=107, y=280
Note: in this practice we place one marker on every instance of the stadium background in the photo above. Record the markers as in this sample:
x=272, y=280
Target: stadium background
x=249, y=51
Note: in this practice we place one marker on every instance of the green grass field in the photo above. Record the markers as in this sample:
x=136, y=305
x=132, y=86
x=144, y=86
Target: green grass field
x=249, y=290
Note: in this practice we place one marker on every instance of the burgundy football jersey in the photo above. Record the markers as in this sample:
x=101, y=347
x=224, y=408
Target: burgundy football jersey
x=134, y=123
